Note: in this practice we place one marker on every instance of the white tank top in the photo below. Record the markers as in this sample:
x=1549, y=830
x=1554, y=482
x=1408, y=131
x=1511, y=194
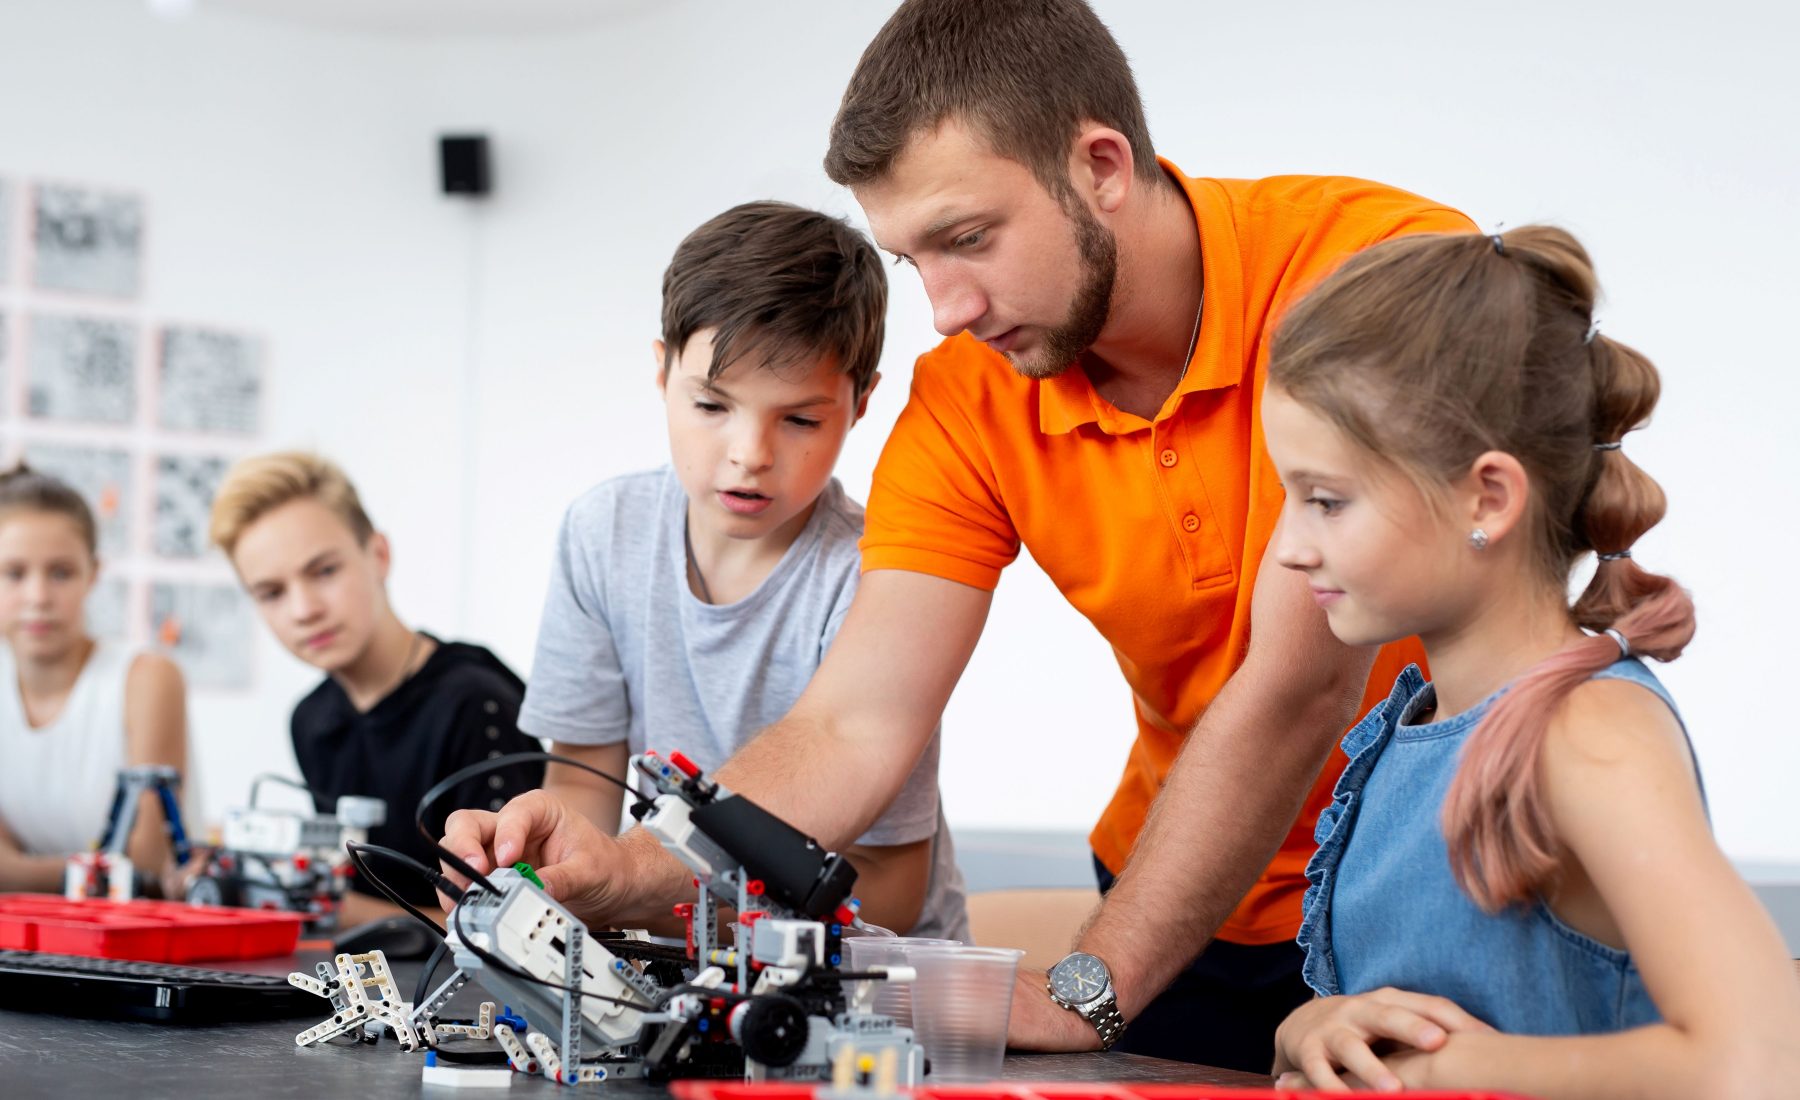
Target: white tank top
x=56, y=783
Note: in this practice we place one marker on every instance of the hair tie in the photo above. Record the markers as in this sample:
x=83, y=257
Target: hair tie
x=1499, y=245
x=1613, y=446
x=1592, y=331
x=1615, y=555
x=1624, y=645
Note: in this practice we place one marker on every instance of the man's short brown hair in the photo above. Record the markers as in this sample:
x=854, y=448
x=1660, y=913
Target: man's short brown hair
x=1024, y=74
x=784, y=281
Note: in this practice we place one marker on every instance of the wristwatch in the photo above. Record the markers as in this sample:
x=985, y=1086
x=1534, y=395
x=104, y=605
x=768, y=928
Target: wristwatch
x=1082, y=984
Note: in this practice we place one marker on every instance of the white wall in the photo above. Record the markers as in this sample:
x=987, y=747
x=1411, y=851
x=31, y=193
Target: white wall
x=291, y=188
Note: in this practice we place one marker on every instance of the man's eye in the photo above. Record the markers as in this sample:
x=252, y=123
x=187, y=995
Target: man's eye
x=709, y=406
x=1325, y=505
x=803, y=422
x=970, y=240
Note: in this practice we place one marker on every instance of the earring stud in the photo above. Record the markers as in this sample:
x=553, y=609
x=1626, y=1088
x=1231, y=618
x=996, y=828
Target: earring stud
x=1478, y=539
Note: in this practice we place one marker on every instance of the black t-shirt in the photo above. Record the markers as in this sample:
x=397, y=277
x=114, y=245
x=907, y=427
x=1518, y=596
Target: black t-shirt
x=460, y=707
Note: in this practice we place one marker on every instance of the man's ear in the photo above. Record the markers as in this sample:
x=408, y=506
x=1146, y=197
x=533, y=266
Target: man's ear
x=383, y=553
x=1496, y=491
x=862, y=405
x=657, y=350
x=1100, y=167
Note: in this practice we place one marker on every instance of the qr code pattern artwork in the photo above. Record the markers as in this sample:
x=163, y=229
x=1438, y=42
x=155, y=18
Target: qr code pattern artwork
x=206, y=628
x=108, y=611
x=87, y=241
x=185, y=487
x=210, y=381
x=82, y=369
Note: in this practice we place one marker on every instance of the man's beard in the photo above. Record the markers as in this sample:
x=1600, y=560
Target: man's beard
x=1099, y=254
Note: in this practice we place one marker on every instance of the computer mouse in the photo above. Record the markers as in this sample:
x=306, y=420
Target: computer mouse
x=397, y=937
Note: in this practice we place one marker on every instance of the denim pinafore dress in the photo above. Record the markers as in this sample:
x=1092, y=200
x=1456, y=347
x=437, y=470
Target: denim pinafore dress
x=1383, y=908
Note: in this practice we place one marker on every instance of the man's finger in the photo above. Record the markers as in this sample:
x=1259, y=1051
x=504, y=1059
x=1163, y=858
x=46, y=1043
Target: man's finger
x=529, y=817
x=466, y=835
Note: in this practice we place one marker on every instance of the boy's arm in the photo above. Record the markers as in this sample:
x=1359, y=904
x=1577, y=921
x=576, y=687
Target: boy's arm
x=1620, y=786
x=155, y=733
x=594, y=798
x=830, y=768
x=891, y=880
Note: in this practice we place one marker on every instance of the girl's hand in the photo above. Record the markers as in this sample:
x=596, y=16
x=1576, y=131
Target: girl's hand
x=1333, y=1036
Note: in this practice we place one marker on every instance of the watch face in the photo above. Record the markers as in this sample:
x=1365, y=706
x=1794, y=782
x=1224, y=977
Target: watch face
x=1079, y=979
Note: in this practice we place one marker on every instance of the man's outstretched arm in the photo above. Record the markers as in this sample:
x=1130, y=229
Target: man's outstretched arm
x=829, y=768
x=1230, y=798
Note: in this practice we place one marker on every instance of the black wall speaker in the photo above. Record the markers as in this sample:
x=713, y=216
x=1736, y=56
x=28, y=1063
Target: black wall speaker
x=463, y=164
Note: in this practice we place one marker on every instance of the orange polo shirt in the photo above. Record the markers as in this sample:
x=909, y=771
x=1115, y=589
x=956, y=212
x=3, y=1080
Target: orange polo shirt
x=1153, y=529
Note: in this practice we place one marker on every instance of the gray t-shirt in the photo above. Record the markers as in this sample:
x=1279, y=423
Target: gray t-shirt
x=625, y=652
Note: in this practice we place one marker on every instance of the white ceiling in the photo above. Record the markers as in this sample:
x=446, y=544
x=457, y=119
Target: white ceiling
x=423, y=18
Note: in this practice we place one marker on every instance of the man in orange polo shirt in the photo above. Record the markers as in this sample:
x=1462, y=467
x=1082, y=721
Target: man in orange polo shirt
x=1097, y=400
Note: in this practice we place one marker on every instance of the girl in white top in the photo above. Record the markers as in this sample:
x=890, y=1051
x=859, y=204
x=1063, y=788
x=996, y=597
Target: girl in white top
x=73, y=710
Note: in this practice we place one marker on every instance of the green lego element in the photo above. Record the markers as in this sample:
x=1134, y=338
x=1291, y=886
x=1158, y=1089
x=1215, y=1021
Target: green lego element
x=530, y=876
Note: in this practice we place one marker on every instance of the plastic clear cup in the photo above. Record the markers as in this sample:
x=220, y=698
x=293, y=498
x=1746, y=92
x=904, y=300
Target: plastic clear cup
x=960, y=1006
x=891, y=998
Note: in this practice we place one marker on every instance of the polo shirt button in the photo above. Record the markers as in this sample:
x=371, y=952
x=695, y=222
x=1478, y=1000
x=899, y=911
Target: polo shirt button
x=493, y=733
x=1190, y=523
x=491, y=707
x=1169, y=457
x=496, y=803
x=495, y=782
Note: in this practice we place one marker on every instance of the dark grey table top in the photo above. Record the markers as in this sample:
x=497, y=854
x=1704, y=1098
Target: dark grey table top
x=53, y=1056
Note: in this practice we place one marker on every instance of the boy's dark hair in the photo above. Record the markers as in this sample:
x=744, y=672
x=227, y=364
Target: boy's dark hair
x=1023, y=74
x=23, y=489
x=783, y=281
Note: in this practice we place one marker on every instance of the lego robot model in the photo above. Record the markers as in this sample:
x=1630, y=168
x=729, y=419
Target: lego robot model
x=792, y=898
x=285, y=859
x=106, y=869
x=777, y=998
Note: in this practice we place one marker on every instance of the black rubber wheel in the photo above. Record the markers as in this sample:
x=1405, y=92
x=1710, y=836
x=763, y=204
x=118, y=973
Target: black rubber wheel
x=773, y=1030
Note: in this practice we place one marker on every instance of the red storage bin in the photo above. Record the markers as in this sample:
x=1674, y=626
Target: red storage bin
x=1015, y=1090
x=147, y=931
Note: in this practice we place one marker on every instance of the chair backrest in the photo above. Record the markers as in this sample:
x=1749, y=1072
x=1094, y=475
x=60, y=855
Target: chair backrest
x=1043, y=922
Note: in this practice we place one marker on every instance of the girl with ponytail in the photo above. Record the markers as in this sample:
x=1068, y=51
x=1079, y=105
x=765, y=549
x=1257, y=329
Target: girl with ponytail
x=74, y=709
x=1516, y=885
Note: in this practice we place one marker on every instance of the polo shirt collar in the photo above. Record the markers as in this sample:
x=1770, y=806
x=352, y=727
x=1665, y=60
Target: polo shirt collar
x=1069, y=400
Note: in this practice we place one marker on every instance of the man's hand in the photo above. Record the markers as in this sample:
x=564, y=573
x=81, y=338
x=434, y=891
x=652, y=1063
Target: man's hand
x=1039, y=1023
x=580, y=866
x=1333, y=1036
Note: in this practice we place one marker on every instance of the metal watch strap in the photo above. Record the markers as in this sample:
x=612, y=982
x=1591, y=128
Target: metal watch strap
x=1106, y=1020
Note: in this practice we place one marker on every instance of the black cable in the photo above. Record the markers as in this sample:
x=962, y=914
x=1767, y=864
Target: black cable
x=356, y=850
x=480, y=768
x=431, y=965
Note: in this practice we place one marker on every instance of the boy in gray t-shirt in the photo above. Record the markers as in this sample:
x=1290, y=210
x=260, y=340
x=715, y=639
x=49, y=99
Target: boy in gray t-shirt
x=689, y=606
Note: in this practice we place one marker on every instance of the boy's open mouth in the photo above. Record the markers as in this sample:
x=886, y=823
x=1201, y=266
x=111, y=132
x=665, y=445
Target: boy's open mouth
x=744, y=502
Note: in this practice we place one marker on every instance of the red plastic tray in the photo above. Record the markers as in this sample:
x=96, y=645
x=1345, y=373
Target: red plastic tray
x=147, y=931
x=1012, y=1090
